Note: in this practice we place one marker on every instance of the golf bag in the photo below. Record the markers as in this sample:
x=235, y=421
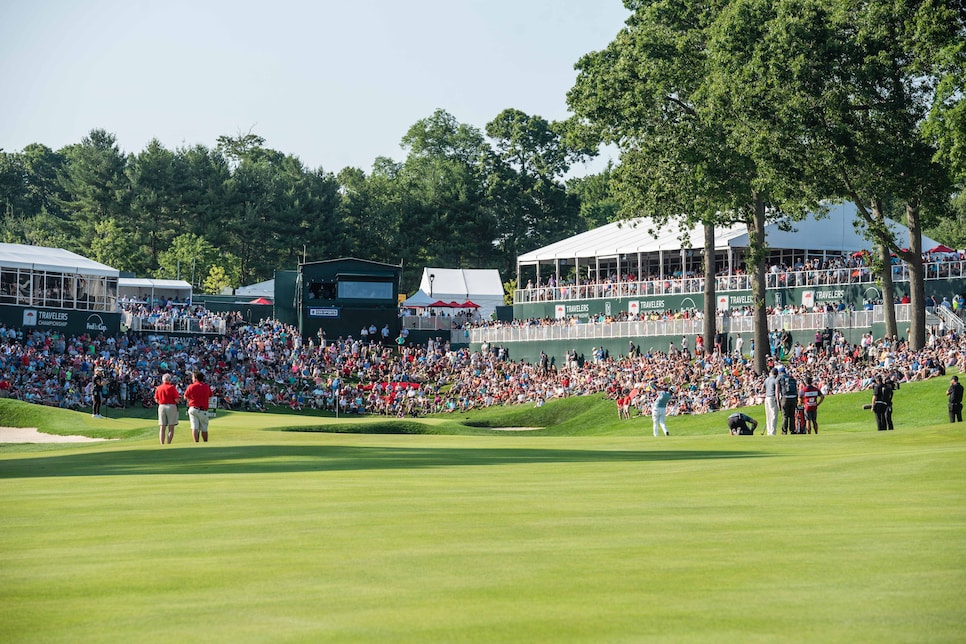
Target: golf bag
x=801, y=425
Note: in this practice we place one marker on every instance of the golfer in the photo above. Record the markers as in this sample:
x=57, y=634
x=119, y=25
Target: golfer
x=166, y=395
x=659, y=410
x=197, y=395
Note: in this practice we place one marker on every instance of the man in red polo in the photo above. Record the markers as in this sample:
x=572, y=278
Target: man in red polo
x=811, y=397
x=197, y=394
x=166, y=395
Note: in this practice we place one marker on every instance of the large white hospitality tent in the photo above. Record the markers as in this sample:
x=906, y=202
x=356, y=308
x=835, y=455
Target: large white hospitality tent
x=481, y=286
x=638, y=246
x=40, y=259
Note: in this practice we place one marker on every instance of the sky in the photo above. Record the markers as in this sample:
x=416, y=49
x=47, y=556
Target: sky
x=336, y=83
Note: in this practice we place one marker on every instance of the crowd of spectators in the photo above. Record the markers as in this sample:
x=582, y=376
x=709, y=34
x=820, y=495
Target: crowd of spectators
x=268, y=366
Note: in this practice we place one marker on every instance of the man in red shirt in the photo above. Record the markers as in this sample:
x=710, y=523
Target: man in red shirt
x=197, y=395
x=166, y=395
x=811, y=397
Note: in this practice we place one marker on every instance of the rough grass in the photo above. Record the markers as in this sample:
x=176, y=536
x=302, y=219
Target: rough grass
x=589, y=530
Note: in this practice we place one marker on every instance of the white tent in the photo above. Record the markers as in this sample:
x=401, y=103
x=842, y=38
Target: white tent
x=146, y=290
x=419, y=299
x=261, y=289
x=482, y=286
x=834, y=233
x=57, y=260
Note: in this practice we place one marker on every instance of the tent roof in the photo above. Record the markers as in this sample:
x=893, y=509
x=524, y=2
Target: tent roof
x=418, y=299
x=266, y=289
x=158, y=285
x=833, y=232
x=462, y=283
x=41, y=258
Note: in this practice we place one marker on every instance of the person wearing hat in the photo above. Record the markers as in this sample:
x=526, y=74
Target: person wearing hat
x=811, y=397
x=659, y=410
x=771, y=402
x=167, y=396
x=955, y=397
x=97, y=393
x=787, y=396
x=197, y=396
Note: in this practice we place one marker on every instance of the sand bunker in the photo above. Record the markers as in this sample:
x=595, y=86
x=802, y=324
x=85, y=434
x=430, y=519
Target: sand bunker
x=31, y=435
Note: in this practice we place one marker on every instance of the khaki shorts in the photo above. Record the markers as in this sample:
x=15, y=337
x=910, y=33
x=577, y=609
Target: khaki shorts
x=199, y=419
x=167, y=414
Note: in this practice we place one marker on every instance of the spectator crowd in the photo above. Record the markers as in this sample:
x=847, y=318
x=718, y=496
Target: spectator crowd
x=268, y=366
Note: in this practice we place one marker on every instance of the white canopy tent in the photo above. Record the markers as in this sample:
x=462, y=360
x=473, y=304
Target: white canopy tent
x=640, y=243
x=148, y=290
x=480, y=285
x=39, y=258
x=419, y=299
x=261, y=289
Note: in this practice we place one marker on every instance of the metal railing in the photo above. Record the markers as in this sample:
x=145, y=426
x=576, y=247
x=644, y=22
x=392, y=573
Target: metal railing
x=678, y=285
x=187, y=325
x=643, y=328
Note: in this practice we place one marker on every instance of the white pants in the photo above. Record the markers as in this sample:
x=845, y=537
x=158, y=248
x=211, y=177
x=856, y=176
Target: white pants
x=771, y=416
x=658, y=414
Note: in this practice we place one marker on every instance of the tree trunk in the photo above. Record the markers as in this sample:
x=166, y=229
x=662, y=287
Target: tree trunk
x=885, y=276
x=710, y=295
x=917, y=295
x=757, y=267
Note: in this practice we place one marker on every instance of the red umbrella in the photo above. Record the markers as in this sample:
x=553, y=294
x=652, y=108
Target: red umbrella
x=454, y=305
x=940, y=249
x=470, y=304
x=441, y=303
x=260, y=300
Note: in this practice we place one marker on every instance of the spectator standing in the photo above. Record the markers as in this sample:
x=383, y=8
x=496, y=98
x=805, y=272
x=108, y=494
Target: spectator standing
x=955, y=396
x=166, y=395
x=811, y=397
x=788, y=399
x=197, y=395
x=771, y=402
x=97, y=394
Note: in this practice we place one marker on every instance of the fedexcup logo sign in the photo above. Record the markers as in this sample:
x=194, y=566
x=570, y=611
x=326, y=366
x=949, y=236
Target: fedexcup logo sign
x=96, y=323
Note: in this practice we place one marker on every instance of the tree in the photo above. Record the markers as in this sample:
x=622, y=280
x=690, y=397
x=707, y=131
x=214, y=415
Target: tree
x=217, y=280
x=94, y=184
x=525, y=186
x=118, y=247
x=598, y=203
x=655, y=92
x=446, y=220
x=846, y=87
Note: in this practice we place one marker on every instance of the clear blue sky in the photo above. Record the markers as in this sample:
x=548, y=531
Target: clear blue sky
x=334, y=82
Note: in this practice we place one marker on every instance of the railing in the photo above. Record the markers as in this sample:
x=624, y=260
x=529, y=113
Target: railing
x=677, y=285
x=188, y=325
x=643, y=328
x=432, y=323
x=953, y=321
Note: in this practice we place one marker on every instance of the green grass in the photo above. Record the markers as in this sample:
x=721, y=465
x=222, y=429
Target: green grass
x=587, y=530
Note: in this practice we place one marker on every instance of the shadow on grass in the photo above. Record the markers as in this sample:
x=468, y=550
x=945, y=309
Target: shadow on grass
x=261, y=459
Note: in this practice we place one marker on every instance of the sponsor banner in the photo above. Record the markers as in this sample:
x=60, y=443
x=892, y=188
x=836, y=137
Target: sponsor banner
x=330, y=312
x=559, y=311
x=722, y=303
x=70, y=322
x=808, y=298
x=633, y=308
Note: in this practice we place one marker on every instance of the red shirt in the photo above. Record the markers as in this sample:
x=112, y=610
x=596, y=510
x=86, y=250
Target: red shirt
x=197, y=395
x=166, y=394
x=810, y=395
